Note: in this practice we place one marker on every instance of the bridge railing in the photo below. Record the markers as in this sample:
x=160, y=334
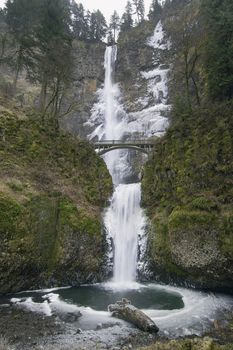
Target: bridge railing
x=124, y=142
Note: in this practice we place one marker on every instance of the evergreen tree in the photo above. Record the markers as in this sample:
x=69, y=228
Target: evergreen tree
x=54, y=56
x=127, y=18
x=98, y=26
x=114, y=24
x=218, y=17
x=23, y=20
x=184, y=29
x=88, y=24
x=155, y=10
x=110, y=38
x=3, y=35
x=139, y=8
x=80, y=28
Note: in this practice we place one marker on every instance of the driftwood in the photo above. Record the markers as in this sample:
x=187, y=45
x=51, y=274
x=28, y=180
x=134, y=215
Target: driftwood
x=124, y=310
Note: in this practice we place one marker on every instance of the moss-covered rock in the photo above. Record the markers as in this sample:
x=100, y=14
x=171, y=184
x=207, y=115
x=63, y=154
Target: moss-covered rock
x=187, y=189
x=53, y=188
x=189, y=344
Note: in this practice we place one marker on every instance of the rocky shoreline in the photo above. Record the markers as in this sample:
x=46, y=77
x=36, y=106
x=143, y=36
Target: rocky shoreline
x=24, y=330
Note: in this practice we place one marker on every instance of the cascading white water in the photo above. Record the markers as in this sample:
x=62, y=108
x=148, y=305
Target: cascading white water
x=111, y=121
x=124, y=218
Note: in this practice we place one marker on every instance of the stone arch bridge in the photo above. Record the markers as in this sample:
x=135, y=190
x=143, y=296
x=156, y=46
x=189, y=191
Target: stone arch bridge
x=145, y=146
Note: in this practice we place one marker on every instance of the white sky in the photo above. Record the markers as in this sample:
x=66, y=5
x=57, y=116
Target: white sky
x=108, y=6
x=105, y=6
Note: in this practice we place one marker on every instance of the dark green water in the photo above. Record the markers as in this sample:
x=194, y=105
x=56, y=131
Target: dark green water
x=176, y=311
x=98, y=297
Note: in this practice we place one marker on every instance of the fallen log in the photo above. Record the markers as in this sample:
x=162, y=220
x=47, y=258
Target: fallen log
x=124, y=310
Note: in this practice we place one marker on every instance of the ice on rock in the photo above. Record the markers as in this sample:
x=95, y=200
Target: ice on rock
x=157, y=40
x=153, y=120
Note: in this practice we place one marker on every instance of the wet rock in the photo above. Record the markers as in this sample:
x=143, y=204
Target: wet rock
x=70, y=317
x=124, y=310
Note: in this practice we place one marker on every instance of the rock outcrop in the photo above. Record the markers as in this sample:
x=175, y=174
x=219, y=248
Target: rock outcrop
x=53, y=189
x=88, y=76
x=187, y=191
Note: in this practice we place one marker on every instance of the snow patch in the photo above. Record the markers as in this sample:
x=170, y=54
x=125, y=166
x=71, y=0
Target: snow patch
x=157, y=40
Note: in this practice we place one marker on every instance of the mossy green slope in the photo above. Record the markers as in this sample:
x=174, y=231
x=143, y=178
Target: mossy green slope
x=53, y=188
x=187, y=188
x=189, y=344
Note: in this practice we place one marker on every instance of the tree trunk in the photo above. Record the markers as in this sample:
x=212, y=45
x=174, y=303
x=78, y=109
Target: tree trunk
x=43, y=95
x=124, y=310
x=18, y=68
x=187, y=79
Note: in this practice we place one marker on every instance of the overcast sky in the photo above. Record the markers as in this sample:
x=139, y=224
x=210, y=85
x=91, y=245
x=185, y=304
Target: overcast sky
x=106, y=6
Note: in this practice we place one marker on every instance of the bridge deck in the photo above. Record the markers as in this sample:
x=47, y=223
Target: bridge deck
x=109, y=145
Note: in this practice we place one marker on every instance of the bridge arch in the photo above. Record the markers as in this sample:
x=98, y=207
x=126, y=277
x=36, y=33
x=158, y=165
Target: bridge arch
x=105, y=146
x=113, y=148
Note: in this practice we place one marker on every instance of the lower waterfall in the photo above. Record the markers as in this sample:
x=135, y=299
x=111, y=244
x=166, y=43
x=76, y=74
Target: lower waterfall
x=124, y=221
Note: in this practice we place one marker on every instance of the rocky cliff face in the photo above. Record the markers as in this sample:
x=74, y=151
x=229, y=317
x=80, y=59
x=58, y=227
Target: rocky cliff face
x=137, y=57
x=134, y=56
x=53, y=189
x=88, y=76
x=187, y=190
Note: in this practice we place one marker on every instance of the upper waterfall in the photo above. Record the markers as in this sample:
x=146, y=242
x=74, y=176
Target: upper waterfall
x=112, y=125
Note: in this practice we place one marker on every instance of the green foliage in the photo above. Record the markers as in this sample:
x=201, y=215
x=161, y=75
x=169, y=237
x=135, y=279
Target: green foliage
x=218, y=17
x=79, y=21
x=127, y=19
x=189, y=180
x=204, y=203
x=193, y=160
x=226, y=234
x=41, y=30
x=202, y=41
x=114, y=24
x=191, y=220
x=10, y=212
x=155, y=11
x=189, y=344
x=139, y=8
x=88, y=25
x=53, y=187
x=183, y=26
x=98, y=26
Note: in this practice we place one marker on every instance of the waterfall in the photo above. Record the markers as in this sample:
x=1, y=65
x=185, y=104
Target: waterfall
x=124, y=219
